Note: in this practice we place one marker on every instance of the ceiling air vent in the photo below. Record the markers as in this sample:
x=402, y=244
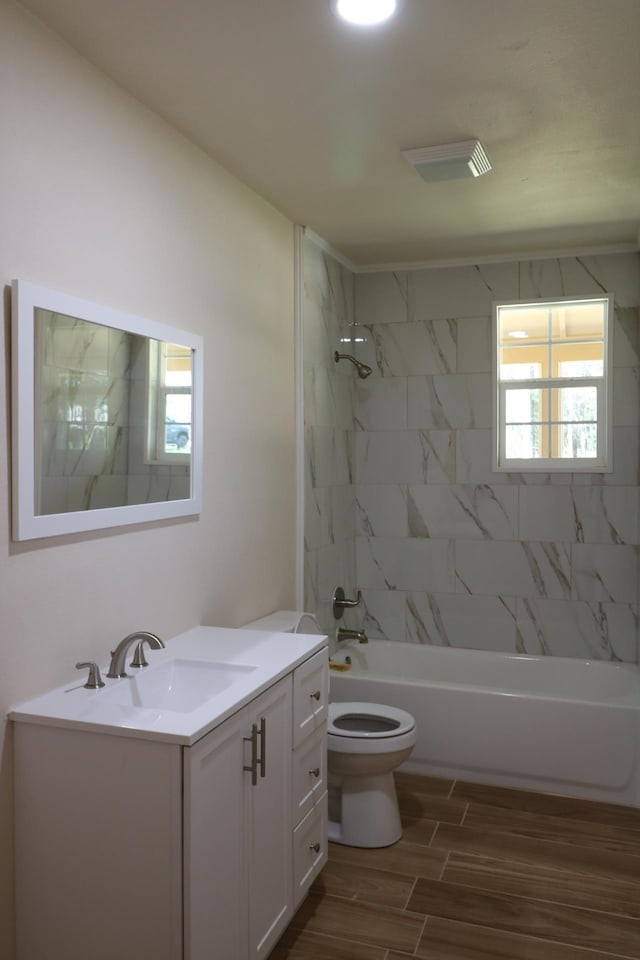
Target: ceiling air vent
x=453, y=161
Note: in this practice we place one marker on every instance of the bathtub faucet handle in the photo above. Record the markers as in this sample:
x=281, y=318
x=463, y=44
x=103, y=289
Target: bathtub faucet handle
x=341, y=603
x=344, y=634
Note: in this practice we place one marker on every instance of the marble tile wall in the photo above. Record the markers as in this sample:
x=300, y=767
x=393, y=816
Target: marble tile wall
x=83, y=404
x=93, y=416
x=448, y=552
x=329, y=422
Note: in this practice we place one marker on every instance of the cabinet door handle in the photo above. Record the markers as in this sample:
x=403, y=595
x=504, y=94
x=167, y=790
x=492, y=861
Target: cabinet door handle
x=253, y=740
x=263, y=747
x=315, y=772
x=316, y=695
x=315, y=847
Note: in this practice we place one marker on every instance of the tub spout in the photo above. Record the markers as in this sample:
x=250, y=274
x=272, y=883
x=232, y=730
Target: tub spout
x=345, y=634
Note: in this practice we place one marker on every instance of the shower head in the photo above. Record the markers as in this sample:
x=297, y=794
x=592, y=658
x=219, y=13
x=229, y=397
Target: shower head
x=363, y=370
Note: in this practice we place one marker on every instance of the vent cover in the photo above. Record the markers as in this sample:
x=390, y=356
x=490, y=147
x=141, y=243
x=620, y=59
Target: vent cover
x=452, y=161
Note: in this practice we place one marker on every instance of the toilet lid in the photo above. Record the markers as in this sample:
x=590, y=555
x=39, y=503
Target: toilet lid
x=357, y=719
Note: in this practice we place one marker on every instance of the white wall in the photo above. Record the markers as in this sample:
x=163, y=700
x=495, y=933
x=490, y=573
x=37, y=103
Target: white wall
x=102, y=200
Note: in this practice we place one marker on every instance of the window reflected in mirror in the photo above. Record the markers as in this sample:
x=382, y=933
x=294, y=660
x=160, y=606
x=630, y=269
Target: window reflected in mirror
x=170, y=388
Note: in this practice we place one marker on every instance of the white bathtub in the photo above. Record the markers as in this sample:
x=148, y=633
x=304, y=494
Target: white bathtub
x=543, y=723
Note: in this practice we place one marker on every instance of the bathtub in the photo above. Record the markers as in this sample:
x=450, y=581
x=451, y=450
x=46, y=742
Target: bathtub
x=552, y=724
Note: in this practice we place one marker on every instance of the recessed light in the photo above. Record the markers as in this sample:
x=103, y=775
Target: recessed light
x=364, y=13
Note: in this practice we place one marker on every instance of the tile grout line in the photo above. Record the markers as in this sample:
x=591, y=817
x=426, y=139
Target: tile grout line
x=424, y=927
x=433, y=836
x=413, y=887
x=464, y=815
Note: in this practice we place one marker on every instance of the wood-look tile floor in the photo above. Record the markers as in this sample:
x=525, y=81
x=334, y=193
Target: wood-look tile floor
x=481, y=873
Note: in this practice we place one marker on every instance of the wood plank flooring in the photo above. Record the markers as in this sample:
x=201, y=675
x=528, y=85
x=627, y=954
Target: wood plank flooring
x=481, y=873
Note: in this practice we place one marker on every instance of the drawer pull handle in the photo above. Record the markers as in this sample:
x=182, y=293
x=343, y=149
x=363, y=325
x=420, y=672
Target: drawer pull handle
x=316, y=695
x=253, y=767
x=315, y=772
x=315, y=847
x=262, y=759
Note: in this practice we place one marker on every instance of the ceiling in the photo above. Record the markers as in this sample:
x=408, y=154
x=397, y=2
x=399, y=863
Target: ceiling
x=313, y=114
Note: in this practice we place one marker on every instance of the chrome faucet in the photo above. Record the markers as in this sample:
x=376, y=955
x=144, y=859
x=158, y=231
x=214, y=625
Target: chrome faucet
x=118, y=656
x=345, y=634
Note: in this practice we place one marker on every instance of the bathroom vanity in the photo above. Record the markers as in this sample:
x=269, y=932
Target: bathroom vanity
x=147, y=827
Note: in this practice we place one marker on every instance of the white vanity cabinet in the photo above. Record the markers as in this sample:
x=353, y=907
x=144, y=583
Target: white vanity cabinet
x=132, y=847
x=237, y=832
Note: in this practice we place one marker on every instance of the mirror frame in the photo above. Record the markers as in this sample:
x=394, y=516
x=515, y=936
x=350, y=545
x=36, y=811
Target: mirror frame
x=28, y=525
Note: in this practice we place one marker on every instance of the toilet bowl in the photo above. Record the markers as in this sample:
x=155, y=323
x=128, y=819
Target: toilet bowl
x=366, y=741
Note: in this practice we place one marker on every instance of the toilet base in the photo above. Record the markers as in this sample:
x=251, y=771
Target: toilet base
x=368, y=811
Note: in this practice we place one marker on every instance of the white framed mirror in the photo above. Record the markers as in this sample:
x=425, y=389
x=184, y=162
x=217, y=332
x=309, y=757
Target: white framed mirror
x=107, y=416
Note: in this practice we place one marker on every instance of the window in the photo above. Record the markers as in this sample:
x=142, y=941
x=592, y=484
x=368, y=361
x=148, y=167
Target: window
x=170, y=382
x=553, y=404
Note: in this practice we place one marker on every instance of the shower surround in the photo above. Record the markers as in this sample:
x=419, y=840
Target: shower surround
x=446, y=551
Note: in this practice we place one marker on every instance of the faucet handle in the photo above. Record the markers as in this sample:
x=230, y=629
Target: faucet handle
x=342, y=603
x=94, y=680
x=139, y=659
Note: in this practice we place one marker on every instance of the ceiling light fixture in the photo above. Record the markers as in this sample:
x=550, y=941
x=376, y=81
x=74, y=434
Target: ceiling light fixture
x=364, y=13
x=452, y=161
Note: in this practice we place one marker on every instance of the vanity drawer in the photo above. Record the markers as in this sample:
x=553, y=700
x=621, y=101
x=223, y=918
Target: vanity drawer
x=309, y=779
x=310, y=843
x=310, y=696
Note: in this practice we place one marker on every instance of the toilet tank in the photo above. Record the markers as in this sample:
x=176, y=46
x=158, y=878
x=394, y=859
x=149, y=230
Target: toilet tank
x=287, y=621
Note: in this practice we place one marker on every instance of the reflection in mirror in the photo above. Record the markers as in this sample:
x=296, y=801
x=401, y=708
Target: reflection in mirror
x=114, y=412
x=103, y=426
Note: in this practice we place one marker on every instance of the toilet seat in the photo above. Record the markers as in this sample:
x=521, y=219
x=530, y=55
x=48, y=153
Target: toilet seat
x=384, y=722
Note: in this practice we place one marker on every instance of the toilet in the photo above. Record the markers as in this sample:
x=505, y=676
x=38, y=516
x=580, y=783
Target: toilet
x=366, y=742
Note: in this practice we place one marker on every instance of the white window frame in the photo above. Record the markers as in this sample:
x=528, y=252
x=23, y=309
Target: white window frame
x=157, y=407
x=604, y=385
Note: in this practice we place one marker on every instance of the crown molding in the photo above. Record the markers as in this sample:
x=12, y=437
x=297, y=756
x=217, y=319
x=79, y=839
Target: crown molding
x=498, y=258
x=401, y=267
x=331, y=250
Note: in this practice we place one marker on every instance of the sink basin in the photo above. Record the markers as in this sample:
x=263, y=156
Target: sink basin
x=178, y=685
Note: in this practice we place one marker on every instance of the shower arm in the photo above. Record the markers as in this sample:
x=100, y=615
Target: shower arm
x=346, y=356
x=363, y=369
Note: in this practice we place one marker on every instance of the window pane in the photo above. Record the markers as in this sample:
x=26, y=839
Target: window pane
x=523, y=406
x=526, y=441
x=575, y=403
x=526, y=322
x=178, y=423
x=177, y=365
x=578, y=359
x=581, y=368
x=577, y=321
x=520, y=371
x=577, y=440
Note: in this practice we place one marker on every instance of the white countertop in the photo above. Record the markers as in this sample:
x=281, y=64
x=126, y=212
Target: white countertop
x=271, y=654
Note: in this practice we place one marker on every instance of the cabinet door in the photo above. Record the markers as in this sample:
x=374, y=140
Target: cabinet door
x=270, y=851
x=215, y=888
